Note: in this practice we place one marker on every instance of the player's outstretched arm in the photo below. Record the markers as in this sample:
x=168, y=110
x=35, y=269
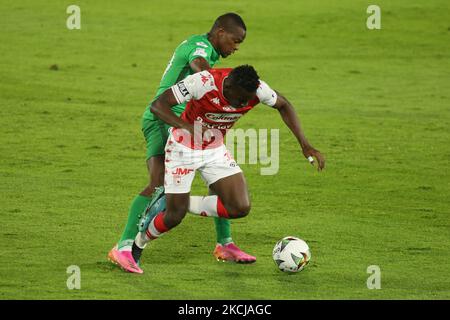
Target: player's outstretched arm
x=290, y=117
x=162, y=108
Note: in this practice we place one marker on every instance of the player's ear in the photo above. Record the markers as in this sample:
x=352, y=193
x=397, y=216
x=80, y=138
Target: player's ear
x=221, y=32
x=243, y=37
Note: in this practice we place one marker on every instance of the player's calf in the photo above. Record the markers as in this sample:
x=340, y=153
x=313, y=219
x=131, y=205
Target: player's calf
x=177, y=206
x=172, y=218
x=169, y=215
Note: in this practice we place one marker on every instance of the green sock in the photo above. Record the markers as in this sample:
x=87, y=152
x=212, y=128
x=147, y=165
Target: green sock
x=131, y=230
x=223, y=230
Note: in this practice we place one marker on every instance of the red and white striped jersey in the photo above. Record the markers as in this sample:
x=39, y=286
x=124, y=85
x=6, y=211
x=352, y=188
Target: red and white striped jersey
x=206, y=104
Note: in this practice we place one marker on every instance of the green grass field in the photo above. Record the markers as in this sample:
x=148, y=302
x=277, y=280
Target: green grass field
x=375, y=102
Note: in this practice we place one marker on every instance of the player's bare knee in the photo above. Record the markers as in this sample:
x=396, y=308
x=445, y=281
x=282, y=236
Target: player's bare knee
x=157, y=180
x=161, y=178
x=243, y=209
x=239, y=210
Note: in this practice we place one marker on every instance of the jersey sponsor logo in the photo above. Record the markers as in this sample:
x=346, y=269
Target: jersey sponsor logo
x=228, y=108
x=202, y=44
x=214, y=125
x=200, y=52
x=216, y=101
x=182, y=171
x=223, y=117
x=182, y=88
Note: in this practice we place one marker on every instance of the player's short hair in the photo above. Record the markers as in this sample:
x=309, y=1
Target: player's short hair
x=245, y=76
x=228, y=21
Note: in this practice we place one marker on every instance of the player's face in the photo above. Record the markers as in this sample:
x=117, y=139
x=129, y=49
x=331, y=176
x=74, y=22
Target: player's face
x=238, y=97
x=229, y=41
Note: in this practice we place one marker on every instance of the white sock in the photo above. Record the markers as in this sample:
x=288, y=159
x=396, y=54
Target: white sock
x=141, y=240
x=152, y=233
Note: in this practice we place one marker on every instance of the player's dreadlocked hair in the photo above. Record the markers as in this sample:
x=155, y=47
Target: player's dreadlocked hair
x=228, y=21
x=245, y=76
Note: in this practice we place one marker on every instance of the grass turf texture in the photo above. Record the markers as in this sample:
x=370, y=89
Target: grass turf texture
x=375, y=102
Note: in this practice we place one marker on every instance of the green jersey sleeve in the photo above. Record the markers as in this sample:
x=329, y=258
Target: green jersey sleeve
x=178, y=67
x=201, y=49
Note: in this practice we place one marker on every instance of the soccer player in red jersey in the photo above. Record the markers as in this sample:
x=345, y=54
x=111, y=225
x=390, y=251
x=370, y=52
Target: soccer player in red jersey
x=195, y=54
x=216, y=100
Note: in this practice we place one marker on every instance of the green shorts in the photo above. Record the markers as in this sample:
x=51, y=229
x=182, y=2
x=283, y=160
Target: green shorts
x=156, y=133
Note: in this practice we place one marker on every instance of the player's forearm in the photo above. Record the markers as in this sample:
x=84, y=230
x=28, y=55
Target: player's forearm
x=199, y=64
x=292, y=121
x=164, y=112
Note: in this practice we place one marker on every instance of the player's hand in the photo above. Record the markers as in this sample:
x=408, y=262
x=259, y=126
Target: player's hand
x=310, y=153
x=198, y=133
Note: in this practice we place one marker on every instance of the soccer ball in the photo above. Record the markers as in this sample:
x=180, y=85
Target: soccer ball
x=291, y=254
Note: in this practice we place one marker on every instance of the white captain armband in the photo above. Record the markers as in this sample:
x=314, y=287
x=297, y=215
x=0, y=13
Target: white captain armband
x=194, y=87
x=180, y=92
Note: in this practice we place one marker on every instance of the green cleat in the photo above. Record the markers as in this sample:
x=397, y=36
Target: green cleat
x=155, y=206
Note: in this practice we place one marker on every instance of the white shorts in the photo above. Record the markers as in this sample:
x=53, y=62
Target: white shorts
x=182, y=162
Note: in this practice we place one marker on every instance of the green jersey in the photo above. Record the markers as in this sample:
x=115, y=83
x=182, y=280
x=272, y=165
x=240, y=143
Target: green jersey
x=178, y=67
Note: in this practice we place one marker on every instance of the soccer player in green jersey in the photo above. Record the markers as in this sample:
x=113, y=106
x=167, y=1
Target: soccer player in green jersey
x=197, y=53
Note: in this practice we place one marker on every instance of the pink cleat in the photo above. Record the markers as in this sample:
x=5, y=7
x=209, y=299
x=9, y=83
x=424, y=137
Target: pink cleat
x=124, y=260
x=231, y=252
